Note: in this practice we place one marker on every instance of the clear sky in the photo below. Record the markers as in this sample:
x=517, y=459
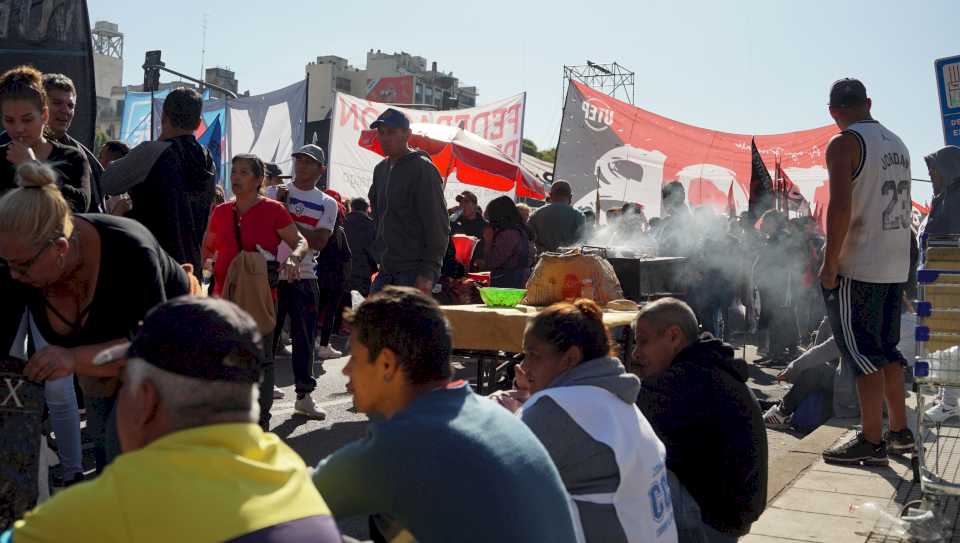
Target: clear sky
x=748, y=66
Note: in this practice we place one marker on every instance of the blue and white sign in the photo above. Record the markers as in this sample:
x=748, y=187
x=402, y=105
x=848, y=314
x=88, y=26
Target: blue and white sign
x=948, y=89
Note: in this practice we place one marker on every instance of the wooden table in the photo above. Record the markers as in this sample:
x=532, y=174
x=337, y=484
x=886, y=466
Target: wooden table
x=493, y=335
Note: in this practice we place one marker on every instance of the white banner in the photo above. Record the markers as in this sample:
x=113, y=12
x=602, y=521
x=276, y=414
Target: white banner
x=268, y=125
x=351, y=166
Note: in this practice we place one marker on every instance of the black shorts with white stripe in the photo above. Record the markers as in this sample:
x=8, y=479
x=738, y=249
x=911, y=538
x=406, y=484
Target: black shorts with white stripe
x=865, y=318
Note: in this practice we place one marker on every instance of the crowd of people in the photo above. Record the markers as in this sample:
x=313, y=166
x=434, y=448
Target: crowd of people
x=105, y=259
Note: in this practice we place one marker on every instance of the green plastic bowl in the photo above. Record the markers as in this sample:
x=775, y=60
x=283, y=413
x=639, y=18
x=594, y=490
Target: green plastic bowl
x=502, y=297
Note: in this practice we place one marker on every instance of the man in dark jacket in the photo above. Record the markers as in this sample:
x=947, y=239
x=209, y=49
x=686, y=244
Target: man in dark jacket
x=360, y=232
x=558, y=224
x=170, y=181
x=944, y=169
x=409, y=210
x=694, y=393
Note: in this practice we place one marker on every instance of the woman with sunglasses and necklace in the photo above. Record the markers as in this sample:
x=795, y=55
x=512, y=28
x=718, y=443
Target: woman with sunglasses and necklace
x=86, y=281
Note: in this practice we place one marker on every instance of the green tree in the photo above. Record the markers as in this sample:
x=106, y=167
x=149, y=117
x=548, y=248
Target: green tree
x=100, y=137
x=549, y=155
x=530, y=148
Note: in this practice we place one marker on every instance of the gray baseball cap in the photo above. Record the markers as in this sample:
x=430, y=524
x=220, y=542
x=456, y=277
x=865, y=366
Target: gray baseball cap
x=312, y=151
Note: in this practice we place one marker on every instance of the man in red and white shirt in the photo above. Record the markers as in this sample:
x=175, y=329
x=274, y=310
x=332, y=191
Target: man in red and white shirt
x=315, y=215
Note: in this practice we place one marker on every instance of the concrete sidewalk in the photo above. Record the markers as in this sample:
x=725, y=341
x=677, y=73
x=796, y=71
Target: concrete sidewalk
x=810, y=500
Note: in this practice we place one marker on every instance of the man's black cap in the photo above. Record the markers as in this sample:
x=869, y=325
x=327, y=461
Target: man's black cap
x=202, y=338
x=847, y=92
x=272, y=170
x=467, y=195
x=391, y=118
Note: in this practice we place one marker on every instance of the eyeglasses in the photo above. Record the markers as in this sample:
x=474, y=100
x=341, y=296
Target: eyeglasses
x=23, y=268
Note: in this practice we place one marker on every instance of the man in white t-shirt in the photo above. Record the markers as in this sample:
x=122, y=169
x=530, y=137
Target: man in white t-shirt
x=315, y=214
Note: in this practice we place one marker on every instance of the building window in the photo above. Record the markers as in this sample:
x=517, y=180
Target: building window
x=342, y=84
x=418, y=94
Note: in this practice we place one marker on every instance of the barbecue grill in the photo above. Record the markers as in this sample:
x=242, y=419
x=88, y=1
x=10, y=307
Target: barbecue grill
x=644, y=277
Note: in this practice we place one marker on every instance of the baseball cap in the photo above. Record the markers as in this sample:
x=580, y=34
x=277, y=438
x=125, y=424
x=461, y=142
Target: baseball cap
x=467, y=195
x=847, y=92
x=202, y=338
x=312, y=151
x=272, y=170
x=392, y=118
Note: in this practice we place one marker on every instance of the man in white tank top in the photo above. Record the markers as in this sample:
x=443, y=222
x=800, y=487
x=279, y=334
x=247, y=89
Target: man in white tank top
x=866, y=262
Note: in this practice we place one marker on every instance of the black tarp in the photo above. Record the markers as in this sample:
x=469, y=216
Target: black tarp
x=54, y=37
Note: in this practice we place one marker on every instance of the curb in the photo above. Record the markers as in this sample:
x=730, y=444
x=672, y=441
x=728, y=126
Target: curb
x=784, y=469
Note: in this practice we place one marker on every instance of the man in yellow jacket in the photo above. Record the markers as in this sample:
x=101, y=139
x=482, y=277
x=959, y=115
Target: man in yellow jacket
x=195, y=464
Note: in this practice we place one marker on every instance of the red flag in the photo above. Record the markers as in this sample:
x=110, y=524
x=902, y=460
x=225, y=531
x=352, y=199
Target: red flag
x=793, y=199
x=820, y=217
x=731, y=203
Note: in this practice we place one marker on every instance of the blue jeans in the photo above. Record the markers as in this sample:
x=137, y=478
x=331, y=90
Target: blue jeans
x=299, y=300
x=61, y=398
x=714, y=536
x=686, y=512
x=396, y=279
x=102, y=424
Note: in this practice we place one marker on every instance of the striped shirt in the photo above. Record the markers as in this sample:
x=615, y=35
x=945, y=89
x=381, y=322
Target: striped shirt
x=312, y=210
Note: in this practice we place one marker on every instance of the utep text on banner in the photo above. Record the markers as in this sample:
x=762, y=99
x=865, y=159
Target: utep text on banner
x=636, y=152
x=351, y=166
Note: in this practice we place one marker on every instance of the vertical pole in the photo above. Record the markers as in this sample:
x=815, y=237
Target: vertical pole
x=596, y=209
x=520, y=178
x=151, y=116
x=306, y=113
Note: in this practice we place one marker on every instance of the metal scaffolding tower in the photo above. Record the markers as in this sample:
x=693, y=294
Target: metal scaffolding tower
x=612, y=79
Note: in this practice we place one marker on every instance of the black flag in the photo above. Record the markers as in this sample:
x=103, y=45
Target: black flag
x=53, y=37
x=762, y=197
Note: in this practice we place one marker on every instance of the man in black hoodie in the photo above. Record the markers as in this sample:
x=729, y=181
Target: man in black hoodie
x=694, y=393
x=170, y=181
x=409, y=210
x=360, y=232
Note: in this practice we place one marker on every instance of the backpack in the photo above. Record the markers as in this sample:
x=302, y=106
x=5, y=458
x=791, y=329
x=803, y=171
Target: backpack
x=247, y=284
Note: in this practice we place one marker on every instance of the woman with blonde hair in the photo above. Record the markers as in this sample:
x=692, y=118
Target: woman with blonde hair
x=86, y=281
x=23, y=104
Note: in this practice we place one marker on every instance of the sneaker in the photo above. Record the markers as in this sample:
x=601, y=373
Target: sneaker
x=899, y=442
x=856, y=450
x=305, y=406
x=325, y=352
x=940, y=413
x=288, y=350
x=277, y=393
x=775, y=419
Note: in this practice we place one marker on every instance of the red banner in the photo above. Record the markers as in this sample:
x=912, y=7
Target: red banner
x=391, y=90
x=628, y=153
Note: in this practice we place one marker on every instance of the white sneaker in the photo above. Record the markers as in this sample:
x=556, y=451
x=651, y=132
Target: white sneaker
x=325, y=352
x=305, y=406
x=773, y=418
x=277, y=393
x=940, y=413
x=288, y=350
